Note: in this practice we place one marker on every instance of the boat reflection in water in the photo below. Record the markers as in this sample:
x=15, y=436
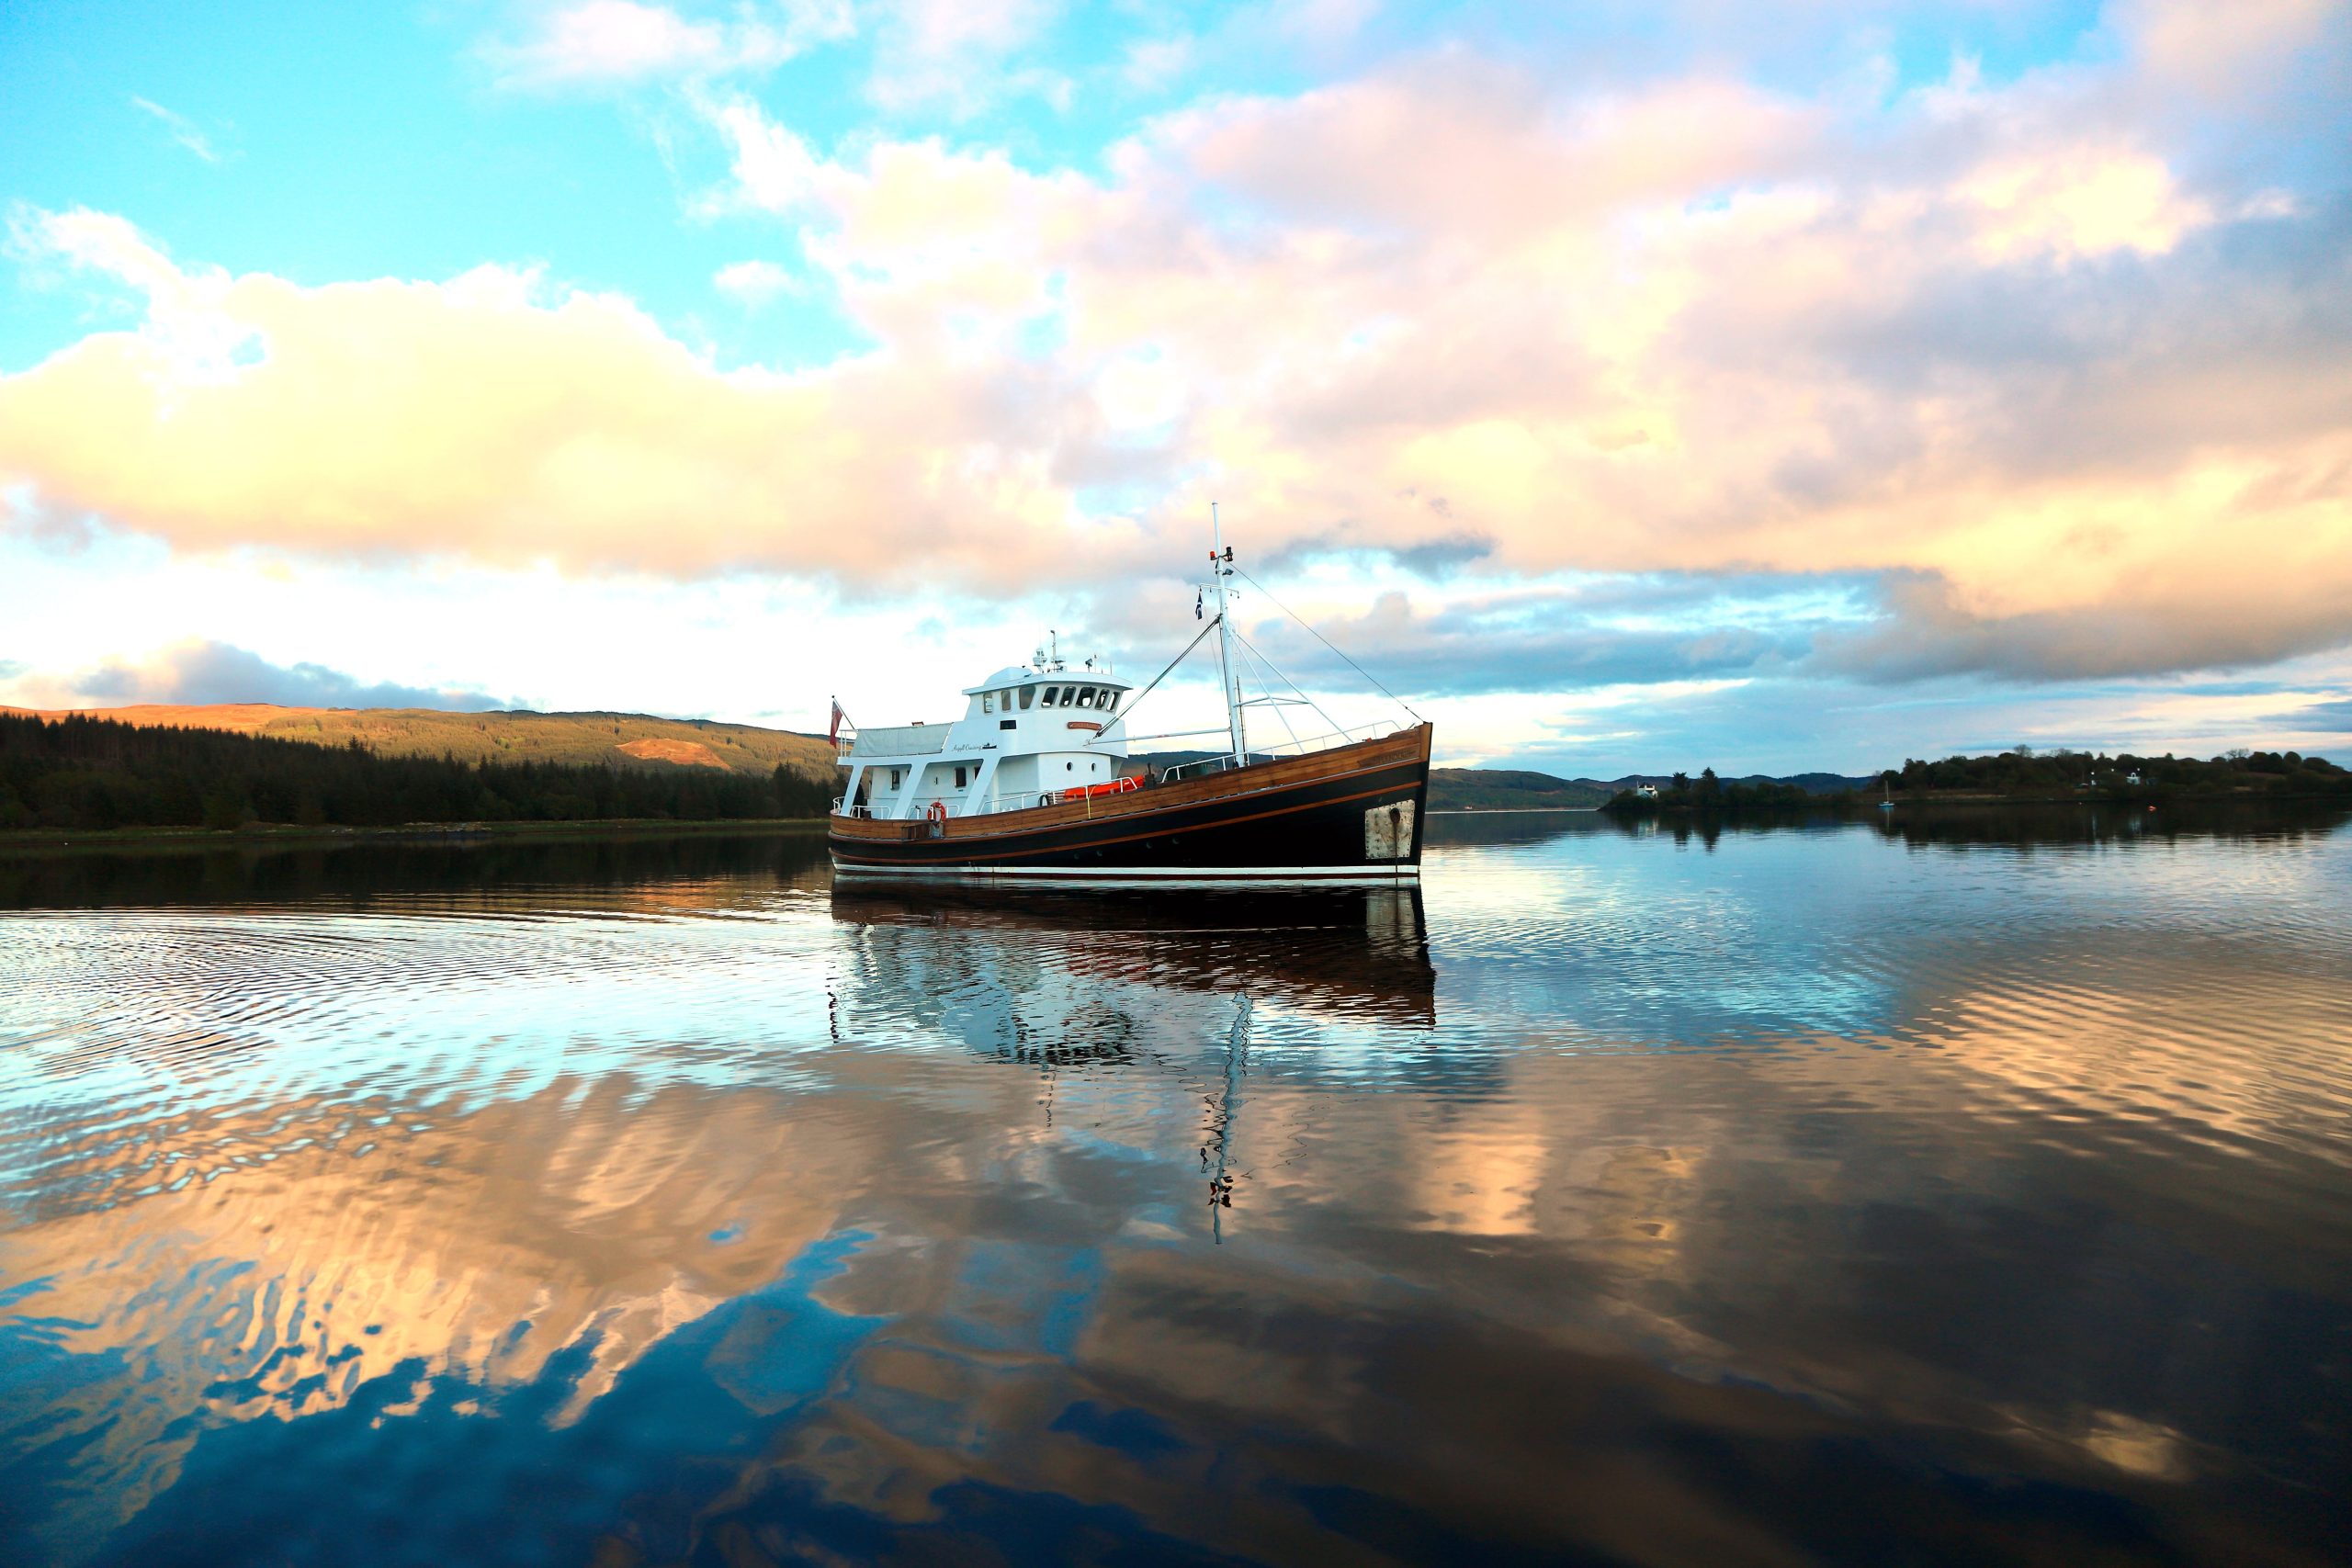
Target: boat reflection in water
x=1071, y=979
x=1055, y=977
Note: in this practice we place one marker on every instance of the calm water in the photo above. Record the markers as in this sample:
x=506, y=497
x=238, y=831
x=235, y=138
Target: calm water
x=1977, y=1193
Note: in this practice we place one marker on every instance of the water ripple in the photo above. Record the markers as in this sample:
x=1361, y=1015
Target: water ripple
x=1834, y=1193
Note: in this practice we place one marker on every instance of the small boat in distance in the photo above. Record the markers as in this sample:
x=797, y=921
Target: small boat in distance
x=1033, y=783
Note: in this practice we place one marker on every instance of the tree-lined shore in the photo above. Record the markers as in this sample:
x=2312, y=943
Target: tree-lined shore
x=84, y=774
x=2021, y=774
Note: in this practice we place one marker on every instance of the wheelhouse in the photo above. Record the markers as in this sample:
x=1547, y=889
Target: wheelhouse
x=1028, y=735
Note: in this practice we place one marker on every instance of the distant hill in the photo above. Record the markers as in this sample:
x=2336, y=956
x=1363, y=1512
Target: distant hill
x=1817, y=783
x=79, y=774
x=625, y=739
x=1500, y=789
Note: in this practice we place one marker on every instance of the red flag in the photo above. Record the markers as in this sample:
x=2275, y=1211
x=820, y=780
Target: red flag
x=835, y=734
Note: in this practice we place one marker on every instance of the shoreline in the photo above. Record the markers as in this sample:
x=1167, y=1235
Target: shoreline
x=1511, y=811
x=1861, y=807
x=288, y=836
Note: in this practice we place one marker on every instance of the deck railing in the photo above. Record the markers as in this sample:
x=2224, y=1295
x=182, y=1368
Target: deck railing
x=1288, y=748
x=997, y=799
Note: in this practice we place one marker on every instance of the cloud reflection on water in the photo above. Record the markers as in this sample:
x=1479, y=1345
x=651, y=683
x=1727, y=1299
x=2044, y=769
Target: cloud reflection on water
x=1794, y=1198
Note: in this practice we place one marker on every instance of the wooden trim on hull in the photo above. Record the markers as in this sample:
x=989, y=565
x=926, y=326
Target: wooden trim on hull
x=1295, y=818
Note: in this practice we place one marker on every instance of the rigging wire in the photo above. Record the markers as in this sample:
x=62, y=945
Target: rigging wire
x=1130, y=708
x=1327, y=642
x=1268, y=665
x=1273, y=675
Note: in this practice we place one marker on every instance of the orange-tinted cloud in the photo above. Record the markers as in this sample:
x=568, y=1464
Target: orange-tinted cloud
x=2011, y=345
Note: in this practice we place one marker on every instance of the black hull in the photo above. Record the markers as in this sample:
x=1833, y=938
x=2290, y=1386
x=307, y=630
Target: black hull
x=1314, y=830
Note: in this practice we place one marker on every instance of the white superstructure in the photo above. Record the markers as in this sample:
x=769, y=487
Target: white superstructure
x=1027, y=734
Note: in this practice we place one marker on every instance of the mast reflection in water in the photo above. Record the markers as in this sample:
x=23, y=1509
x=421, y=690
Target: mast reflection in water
x=1821, y=1192
x=1065, y=979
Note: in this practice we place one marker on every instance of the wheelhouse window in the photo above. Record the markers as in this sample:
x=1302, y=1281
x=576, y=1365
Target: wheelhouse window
x=1086, y=697
x=1110, y=703
x=1028, y=696
x=988, y=702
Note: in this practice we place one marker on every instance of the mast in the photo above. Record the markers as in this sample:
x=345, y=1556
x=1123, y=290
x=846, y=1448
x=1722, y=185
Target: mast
x=1220, y=560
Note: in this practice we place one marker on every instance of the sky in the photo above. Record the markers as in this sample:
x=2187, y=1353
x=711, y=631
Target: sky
x=1624, y=386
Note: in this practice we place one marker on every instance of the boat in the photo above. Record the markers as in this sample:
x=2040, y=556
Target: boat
x=1033, y=784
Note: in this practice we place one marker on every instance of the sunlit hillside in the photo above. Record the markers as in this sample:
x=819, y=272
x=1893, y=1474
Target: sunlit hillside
x=633, y=740
x=1491, y=789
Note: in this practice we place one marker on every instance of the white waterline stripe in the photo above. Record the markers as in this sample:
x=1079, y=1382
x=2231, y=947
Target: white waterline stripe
x=1160, y=875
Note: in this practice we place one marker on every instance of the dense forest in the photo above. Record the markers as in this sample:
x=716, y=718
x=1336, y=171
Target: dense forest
x=2025, y=774
x=2049, y=774
x=84, y=773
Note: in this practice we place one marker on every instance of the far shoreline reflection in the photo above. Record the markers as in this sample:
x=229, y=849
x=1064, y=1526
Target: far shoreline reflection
x=1959, y=825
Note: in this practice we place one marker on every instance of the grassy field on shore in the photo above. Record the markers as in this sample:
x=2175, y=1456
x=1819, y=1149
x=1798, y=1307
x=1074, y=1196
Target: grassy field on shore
x=621, y=740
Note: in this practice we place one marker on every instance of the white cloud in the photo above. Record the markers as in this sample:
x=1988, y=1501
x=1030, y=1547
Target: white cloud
x=493, y=417
x=618, y=41
x=2081, y=202
x=1153, y=63
x=1324, y=22
x=207, y=673
x=2002, y=345
x=754, y=283
x=2223, y=49
x=772, y=170
x=192, y=340
x=956, y=53
x=179, y=127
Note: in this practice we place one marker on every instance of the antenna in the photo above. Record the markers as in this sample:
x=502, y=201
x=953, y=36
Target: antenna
x=1221, y=563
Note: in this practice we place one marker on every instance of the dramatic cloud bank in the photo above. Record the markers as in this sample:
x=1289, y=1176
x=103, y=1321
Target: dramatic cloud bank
x=215, y=673
x=2057, y=375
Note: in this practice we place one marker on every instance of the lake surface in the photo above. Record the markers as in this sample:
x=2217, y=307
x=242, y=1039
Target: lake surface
x=1966, y=1191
